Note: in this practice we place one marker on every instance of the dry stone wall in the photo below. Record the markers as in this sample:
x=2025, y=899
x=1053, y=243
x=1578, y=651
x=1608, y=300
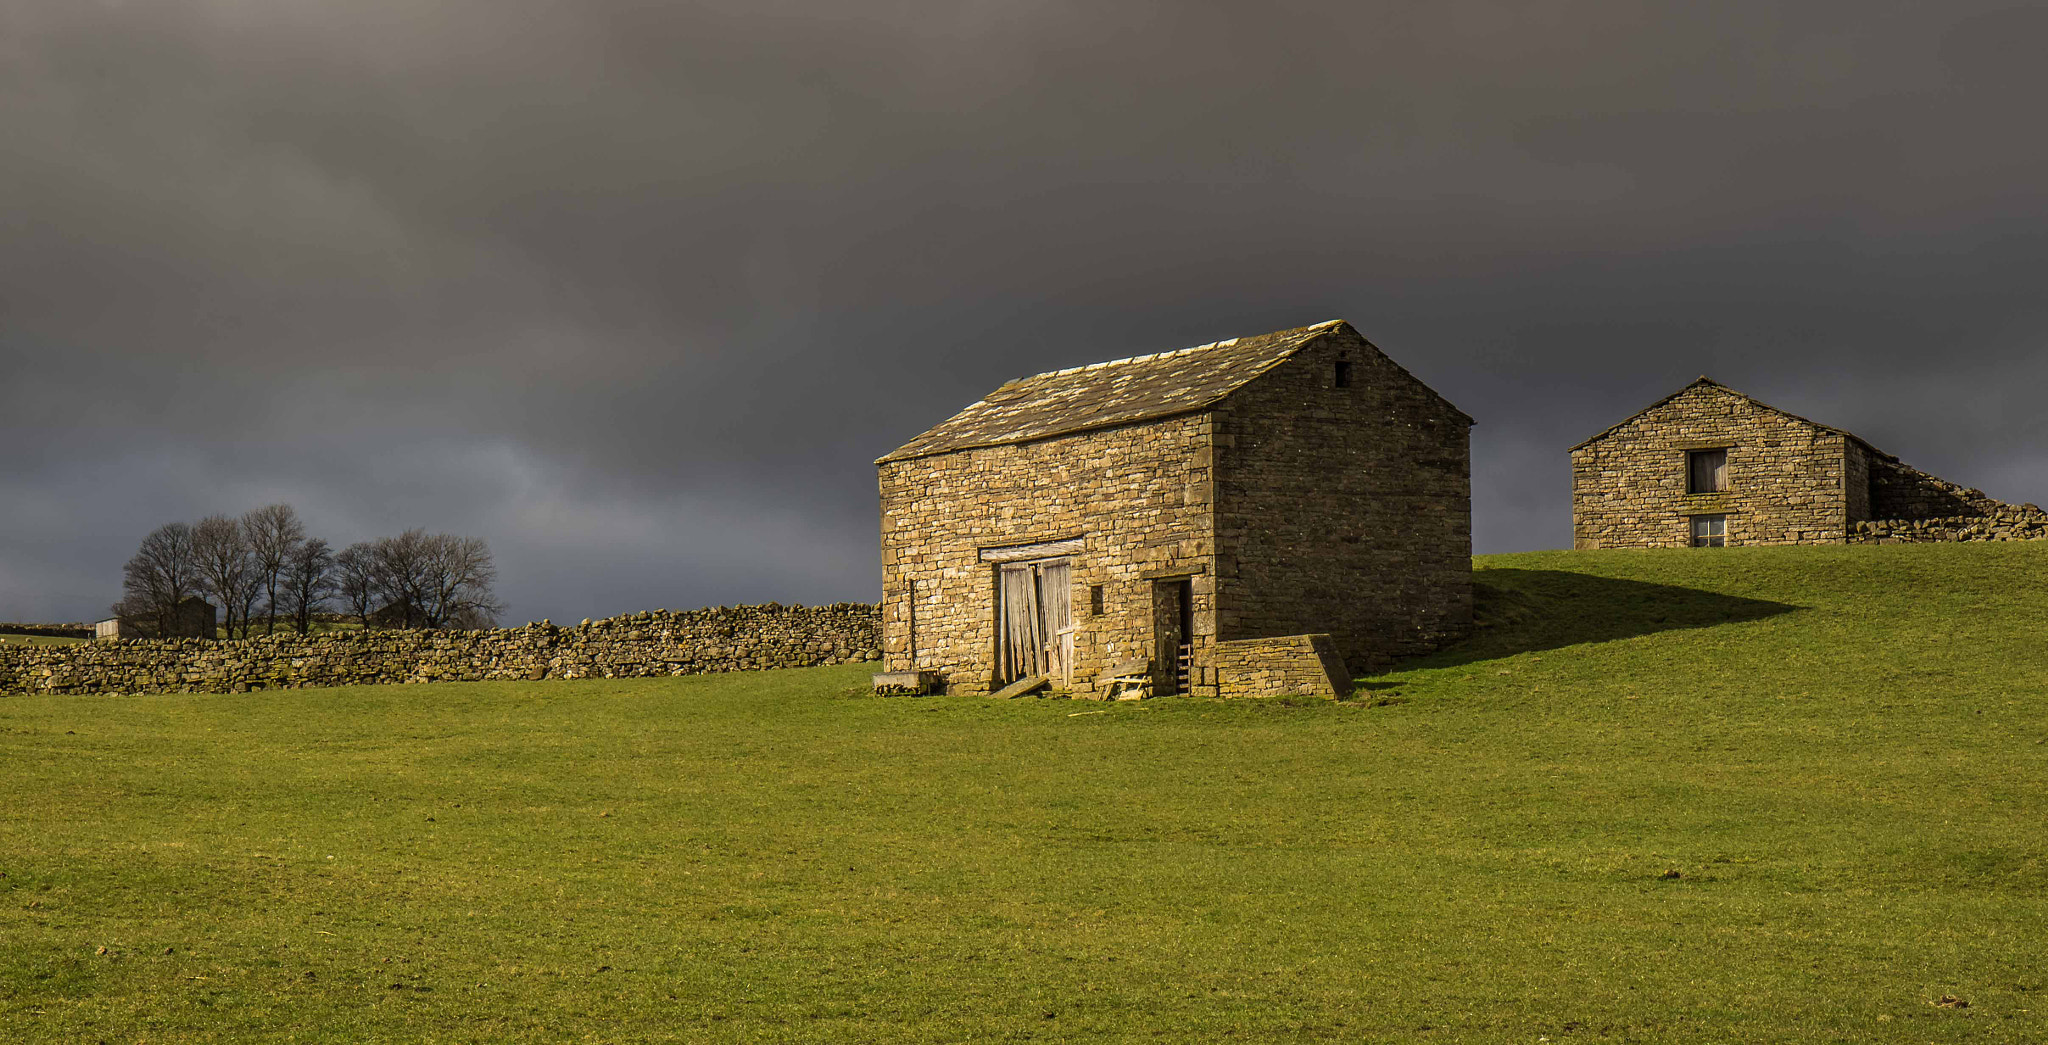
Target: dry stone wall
x=2005, y=522
x=658, y=642
x=1908, y=505
x=1287, y=665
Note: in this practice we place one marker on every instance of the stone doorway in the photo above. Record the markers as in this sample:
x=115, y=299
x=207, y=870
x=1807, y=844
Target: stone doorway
x=1173, y=631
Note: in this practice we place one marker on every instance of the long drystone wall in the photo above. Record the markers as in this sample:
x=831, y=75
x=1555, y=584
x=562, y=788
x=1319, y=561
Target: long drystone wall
x=2003, y=522
x=658, y=642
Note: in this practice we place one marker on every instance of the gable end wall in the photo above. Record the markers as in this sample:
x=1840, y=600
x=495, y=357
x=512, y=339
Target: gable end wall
x=1346, y=511
x=1788, y=479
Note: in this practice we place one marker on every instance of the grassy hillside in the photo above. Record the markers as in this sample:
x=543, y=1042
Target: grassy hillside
x=1743, y=795
x=39, y=640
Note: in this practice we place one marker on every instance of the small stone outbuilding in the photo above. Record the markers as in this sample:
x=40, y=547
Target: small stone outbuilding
x=1244, y=517
x=1707, y=466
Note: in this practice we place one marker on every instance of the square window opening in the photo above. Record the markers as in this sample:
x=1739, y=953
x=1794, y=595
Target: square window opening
x=1706, y=471
x=1709, y=531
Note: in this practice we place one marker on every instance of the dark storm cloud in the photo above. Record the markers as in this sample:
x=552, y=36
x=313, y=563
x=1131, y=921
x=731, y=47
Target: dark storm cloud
x=638, y=291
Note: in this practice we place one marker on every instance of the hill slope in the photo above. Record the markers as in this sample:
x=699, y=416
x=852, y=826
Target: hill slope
x=1780, y=794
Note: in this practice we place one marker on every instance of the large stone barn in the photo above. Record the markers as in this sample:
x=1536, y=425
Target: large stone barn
x=1260, y=515
x=1709, y=467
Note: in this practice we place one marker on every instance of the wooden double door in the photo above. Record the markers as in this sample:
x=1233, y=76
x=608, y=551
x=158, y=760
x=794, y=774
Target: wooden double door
x=1034, y=621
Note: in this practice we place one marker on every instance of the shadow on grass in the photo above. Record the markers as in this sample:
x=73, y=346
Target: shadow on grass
x=1523, y=611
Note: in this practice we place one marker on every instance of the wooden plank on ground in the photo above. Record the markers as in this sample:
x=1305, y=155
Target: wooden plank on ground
x=1028, y=684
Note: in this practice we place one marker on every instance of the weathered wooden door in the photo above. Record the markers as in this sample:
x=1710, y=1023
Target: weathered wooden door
x=1034, y=615
x=1055, y=611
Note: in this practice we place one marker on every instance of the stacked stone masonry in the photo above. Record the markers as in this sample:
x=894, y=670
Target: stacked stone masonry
x=1287, y=665
x=653, y=643
x=1788, y=480
x=1290, y=501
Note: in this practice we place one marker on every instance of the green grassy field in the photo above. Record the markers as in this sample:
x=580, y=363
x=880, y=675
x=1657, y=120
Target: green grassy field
x=1756, y=795
x=38, y=640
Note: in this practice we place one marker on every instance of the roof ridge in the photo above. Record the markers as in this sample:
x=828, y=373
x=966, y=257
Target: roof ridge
x=1002, y=415
x=1149, y=356
x=1737, y=393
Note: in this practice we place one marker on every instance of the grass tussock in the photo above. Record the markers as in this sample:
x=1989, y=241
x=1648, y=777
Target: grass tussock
x=1745, y=795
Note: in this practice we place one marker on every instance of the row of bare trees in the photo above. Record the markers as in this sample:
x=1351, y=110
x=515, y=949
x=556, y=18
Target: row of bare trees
x=264, y=559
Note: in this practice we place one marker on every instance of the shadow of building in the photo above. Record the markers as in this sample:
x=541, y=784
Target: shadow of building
x=1525, y=611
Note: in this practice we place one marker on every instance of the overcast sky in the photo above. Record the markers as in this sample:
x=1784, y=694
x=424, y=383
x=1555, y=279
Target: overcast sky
x=637, y=291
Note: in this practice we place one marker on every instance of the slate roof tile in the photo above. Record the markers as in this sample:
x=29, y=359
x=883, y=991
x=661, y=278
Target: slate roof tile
x=1117, y=392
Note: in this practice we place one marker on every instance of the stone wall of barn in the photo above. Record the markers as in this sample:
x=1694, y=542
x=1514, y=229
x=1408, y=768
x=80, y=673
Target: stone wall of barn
x=1787, y=479
x=660, y=642
x=1138, y=494
x=1900, y=491
x=1344, y=510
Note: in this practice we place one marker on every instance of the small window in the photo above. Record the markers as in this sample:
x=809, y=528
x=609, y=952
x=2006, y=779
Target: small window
x=1343, y=373
x=1709, y=531
x=1706, y=471
x=1095, y=600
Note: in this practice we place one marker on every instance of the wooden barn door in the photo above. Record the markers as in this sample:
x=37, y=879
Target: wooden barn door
x=1055, y=611
x=1034, y=617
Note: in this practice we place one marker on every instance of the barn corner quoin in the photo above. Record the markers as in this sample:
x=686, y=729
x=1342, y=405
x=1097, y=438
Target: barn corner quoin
x=1257, y=516
x=1707, y=466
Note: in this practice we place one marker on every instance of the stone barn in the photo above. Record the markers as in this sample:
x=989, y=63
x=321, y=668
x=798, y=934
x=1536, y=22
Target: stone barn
x=1261, y=515
x=1709, y=467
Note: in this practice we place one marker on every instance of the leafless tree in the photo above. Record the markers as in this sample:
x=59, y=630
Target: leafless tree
x=456, y=589
x=307, y=580
x=356, y=580
x=163, y=573
x=274, y=533
x=404, y=563
x=226, y=569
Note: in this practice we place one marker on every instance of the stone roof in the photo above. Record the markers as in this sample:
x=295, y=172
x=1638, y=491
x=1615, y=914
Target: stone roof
x=1117, y=392
x=1707, y=382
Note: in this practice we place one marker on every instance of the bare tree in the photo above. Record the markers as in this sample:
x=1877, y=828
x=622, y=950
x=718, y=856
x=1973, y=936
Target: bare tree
x=274, y=533
x=403, y=566
x=456, y=584
x=356, y=580
x=163, y=574
x=308, y=579
x=226, y=569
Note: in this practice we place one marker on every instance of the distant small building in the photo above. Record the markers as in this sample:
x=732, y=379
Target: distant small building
x=1252, y=516
x=1709, y=467
x=195, y=618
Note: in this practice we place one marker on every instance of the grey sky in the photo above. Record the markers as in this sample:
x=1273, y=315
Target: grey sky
x=638, y=291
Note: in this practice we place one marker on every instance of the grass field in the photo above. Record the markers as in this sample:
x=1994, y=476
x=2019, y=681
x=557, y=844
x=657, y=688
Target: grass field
x=38, y=640
x=1752, y=795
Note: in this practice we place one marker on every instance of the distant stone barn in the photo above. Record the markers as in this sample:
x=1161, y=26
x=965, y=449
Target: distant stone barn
x=1707, y=466
x=1260, y=515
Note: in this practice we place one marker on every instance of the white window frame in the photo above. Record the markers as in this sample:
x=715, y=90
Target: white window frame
x=1708, y=531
